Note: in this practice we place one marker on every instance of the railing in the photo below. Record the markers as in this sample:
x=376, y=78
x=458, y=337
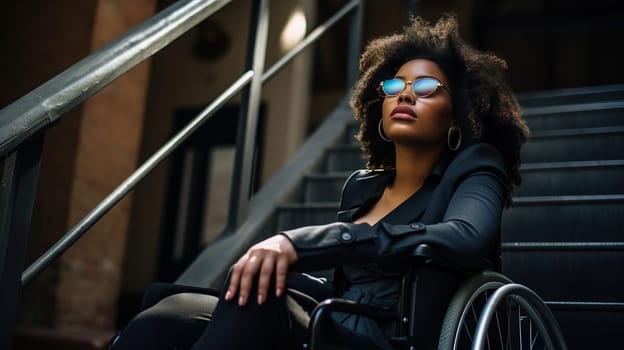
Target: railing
x=24, y=123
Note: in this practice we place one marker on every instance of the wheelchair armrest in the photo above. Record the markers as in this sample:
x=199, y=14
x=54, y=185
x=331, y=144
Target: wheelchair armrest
x=323, y=309
x=431, y=255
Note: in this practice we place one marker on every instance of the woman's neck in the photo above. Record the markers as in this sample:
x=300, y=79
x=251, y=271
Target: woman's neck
x=412, y=166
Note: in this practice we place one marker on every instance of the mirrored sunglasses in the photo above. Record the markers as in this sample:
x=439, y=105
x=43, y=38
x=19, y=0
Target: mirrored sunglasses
x=422, y=87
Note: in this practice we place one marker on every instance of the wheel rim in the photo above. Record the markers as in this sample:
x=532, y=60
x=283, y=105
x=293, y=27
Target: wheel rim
x=513, y=322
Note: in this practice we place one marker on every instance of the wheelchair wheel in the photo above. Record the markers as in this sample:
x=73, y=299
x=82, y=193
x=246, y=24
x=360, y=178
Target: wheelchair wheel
x=489, y=312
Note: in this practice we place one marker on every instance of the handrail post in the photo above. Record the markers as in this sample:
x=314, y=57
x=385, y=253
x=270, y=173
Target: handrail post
x=355, y=46
x=248, y=119
x=18, y=188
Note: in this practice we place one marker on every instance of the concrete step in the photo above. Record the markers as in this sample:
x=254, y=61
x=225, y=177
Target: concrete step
x=570, y=116
x=531, y=219
x=344, y=158
x=564, y=219
x=572, y=178
x=571, y=95
x=603, y=143
x=574, y=321
x=553, y=178
x=323, y=187
x=588, y=144
x=581, y=274
x=295, y=215
x=552, y=117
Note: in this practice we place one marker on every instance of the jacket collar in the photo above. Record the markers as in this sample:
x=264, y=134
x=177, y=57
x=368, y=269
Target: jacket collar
x=373, y=182
x=377, y=179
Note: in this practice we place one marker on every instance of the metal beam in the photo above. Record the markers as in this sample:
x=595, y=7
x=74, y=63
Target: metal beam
x=128, y=184
x=17, y=197
x=248, y=119
x=354, y=47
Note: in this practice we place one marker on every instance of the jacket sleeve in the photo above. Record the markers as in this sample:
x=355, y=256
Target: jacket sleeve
x=467, y=232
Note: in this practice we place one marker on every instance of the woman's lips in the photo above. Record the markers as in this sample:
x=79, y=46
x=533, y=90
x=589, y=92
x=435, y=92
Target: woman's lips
x=403, y=112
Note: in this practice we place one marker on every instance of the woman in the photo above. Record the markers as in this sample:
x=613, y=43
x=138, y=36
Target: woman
x=442, y=132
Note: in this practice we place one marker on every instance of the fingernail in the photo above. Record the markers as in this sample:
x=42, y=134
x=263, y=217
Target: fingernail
x=260, y=299
x=241, y=300
x=228, y=295
x=278, y=292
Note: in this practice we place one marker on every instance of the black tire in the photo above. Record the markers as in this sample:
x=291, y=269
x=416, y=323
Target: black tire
x=490, y=312
x=460, y=307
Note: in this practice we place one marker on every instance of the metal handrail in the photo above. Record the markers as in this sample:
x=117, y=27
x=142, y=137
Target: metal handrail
x=37, y=110
x=24, y=121
x=128, y=184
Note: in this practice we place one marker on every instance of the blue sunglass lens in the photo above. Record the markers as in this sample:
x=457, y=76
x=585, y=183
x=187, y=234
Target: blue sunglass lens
x=425, y=87
x=393, y=87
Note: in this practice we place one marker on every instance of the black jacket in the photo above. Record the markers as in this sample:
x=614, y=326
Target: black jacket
x=461, y=217
x=457, y=212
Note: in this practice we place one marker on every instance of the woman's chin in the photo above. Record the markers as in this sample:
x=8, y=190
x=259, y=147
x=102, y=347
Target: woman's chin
x=412, y=140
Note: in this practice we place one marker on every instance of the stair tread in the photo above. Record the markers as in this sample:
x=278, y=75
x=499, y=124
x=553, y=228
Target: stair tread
x=589, y=198
x=572, y=108
x=516, y=200
x=559, y=245
x=523, y=167
x=577, y=131
x=572, y=164
x=540, y=134
x=569, y=92
x=585, y=305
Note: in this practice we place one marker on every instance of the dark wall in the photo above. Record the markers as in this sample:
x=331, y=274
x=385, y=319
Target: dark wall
x=548, y=44
x=554, y=43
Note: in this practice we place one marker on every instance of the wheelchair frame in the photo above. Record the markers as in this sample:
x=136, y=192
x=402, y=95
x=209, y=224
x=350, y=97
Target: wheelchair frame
x=461, y=328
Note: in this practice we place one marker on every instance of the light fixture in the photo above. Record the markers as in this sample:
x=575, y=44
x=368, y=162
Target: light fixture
x=294, y=31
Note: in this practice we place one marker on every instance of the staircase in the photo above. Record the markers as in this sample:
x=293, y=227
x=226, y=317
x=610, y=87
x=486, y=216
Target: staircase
x=563, y=235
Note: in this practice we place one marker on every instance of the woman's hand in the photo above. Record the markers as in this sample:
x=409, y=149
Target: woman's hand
x=273, y=254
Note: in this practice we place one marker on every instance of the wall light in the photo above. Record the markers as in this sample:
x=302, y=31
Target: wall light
x=294, y=31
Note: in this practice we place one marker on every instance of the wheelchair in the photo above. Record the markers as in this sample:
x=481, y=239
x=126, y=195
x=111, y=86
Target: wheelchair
x=486, y=309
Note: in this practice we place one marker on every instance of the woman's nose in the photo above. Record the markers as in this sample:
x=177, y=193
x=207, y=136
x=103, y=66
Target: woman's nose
x=407, y=96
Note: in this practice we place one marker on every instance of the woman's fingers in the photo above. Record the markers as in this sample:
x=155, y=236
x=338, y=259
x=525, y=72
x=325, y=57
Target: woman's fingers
x=235, y=275
x=264, y=279
x=247, y=277
x=273, y=255
x=281, y=270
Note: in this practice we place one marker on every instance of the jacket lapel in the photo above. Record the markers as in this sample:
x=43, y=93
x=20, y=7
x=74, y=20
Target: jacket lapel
x=412, y=209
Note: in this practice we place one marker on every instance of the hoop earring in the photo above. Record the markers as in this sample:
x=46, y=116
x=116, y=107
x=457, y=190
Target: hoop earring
x=459, y=139
x=383, y=137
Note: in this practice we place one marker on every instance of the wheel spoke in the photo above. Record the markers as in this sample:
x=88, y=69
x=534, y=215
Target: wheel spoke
x=508, y=327
x=510, y=305
x=531, y=339
x=498, y=326
x=520, y=327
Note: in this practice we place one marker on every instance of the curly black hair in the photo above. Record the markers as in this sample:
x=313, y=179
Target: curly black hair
x=484, y=106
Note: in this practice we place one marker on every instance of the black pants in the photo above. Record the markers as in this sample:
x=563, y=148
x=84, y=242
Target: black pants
x=200, y=321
